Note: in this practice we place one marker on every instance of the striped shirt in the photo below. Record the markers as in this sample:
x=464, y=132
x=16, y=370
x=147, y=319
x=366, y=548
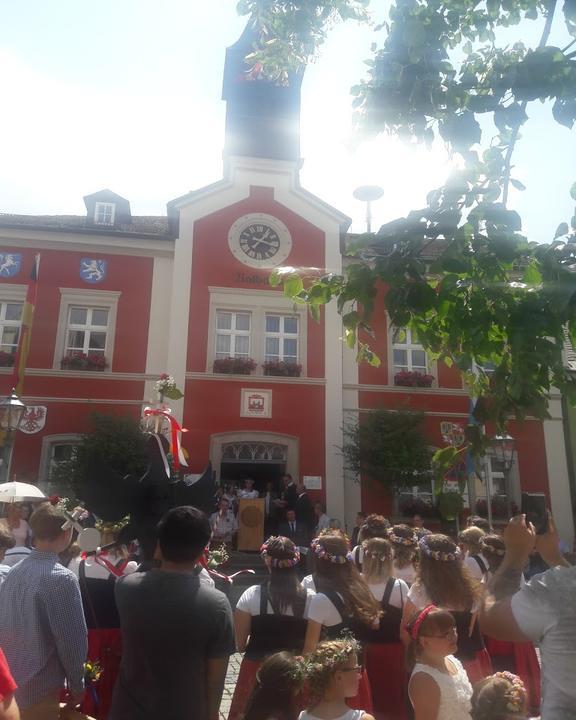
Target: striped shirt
x=42, y=628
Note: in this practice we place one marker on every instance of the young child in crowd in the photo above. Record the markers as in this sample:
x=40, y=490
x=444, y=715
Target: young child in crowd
x=439, y=688
x=333, y=673
x=278, y=684
x=501, y=696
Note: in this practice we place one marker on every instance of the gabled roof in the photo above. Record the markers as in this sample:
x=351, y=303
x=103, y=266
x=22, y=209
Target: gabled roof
x=142, y=225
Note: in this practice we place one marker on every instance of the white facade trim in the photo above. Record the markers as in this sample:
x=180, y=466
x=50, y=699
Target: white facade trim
x=557, y=466
x=158, y=327
x=29, y=236
x=12, y=293
x=291, y=442
x=107, y=299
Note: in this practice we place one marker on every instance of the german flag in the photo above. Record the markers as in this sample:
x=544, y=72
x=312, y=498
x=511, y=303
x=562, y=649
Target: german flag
x=26, y=328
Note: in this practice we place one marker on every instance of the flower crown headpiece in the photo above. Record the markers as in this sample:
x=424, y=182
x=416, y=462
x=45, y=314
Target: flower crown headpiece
x=441, y=555
x=278, y=562
x=399, y=540
x=323, y=554
x=380, y=556
x=329, y=659
x=516, y=694
x=491, y=549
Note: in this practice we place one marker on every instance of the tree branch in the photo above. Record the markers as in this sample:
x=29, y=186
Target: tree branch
x=508, y=159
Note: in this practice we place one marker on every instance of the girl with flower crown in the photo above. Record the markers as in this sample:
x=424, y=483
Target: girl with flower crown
x=374, y=526
x=439, y=688
x=333, y=674
x=501, y=696
x=444, y=581
x=515, y=657
x=405, y=544
x=269, y=617
x=384, y=651
x=279, y=682
x=343, y=602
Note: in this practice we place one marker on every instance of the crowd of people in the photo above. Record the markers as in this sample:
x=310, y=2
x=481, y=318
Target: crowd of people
x=288, y=512
x=404, y=623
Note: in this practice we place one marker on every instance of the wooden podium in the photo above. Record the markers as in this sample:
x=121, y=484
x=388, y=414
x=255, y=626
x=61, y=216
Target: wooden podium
x=251, y=515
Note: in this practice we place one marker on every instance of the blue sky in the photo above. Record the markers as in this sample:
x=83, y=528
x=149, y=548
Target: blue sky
x=126, y=95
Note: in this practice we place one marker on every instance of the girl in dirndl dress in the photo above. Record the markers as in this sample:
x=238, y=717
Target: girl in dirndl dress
x=269, y=617
x=515, y=657
x=343, y=603
x=444, y=581
x=384, y=650
x=405, y=544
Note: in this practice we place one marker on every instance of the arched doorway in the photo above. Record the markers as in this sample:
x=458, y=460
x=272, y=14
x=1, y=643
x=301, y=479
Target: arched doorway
x=265, y=457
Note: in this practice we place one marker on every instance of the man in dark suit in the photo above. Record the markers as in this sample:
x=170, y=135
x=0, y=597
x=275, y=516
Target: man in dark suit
x=295, y=530
x=304, y=509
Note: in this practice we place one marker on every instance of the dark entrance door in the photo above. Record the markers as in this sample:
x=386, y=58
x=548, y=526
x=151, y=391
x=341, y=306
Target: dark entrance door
x=261, y=473
x=263, y=461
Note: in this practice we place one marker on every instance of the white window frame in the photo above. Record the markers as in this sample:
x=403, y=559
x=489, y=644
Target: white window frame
x=431, y=365
x=104, y=208
x=87, y=329
x=13, y=294
x=71, y=297
x=259, y=303
x=282, y=335
x=233, y=333
x=48, y=443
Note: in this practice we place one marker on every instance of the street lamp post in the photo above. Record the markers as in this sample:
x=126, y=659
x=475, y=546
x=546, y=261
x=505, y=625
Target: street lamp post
x=11, y=414
x=504, y=449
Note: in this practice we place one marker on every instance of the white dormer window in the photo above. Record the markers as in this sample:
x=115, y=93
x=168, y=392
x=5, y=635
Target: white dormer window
x=104, y=213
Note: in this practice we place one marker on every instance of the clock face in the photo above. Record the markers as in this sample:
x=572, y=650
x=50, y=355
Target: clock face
x=260, y=240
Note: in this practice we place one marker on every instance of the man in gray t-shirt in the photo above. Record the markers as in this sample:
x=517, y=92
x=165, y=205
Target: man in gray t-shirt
x=542, y=610
x=177, y=632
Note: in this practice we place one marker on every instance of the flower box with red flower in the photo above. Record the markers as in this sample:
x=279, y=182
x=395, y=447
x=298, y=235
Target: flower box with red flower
x=84, y=361
x=234, y=366
x=6, y=359
x=282, y=368
x=413, y=378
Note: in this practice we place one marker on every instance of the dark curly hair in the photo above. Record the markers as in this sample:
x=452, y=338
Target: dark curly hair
x=374, y=526
x=278, y=682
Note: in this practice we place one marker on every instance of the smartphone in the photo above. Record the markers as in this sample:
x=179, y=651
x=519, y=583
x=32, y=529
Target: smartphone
x=534, y=507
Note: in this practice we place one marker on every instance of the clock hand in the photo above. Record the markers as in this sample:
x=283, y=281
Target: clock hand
x=265, y=242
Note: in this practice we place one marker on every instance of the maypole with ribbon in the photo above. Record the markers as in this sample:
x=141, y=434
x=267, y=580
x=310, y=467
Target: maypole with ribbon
x=160, y=421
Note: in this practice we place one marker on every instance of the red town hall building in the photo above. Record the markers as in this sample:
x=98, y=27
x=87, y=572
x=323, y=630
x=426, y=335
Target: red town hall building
x=185, y=293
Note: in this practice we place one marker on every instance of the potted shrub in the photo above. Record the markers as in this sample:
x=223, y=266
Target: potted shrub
x=6, y=359
x=282, y=368
x=234, y=366
x=499, y=507
x=413, y=378
x=81, y=361
x=412, y=505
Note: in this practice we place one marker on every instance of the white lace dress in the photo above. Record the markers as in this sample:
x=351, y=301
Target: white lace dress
x=350, y=715
x=455, y=690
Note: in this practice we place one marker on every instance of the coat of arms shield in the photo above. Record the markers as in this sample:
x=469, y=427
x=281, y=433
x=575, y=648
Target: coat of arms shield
x=33, y=420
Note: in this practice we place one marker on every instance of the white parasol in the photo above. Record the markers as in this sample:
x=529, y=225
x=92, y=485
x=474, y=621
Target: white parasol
x=12, y=492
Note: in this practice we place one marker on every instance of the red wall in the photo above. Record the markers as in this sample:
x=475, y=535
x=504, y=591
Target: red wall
x=131, y=275
x=214, y=265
